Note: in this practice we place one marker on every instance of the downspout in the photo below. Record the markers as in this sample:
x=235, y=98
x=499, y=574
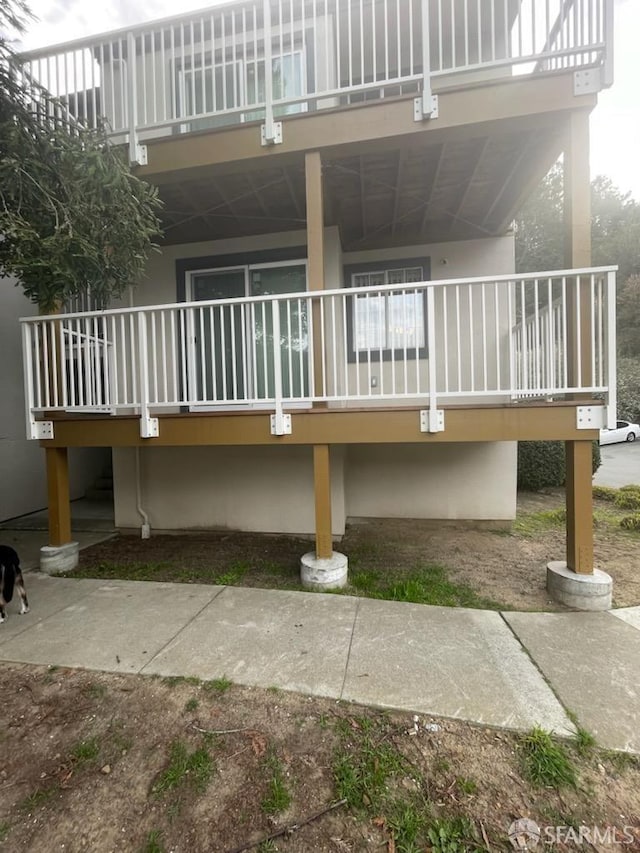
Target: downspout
x=145, y=528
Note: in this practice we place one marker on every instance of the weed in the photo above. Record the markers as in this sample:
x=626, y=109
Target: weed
x=5, y=826
x=268, y=846
x=218, y=685
x=191, y=704
x=406, y=821
x=467, y=786
x=278, y=799
x=628, y=497
x=584, y=741
x=451, y=835
x=196, y=768
x=38, y=798
x=234, y=573
x=153, y=844
x=546, y=762
x=364, y=763
x=273, y=689
x=95, y=690
x=86, y=751
x=630, y=522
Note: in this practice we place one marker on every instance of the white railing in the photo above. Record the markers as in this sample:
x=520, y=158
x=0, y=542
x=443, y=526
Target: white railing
x=467, y=340
x=257, y=59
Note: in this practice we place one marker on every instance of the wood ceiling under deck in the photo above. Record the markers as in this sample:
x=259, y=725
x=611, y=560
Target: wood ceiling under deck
x=450, y=190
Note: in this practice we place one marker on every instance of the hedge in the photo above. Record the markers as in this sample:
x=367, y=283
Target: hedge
x=541, y=464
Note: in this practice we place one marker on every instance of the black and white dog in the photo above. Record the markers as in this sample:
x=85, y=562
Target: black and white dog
x=10, y=576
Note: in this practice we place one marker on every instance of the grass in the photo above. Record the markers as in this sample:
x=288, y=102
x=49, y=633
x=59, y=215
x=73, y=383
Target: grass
x=38, y=798
x=86, y=751
x=423, y=585
x=533, y=523
x=191, y=704
x=278, y=798
x=5, y=826
x=153, y=844
x=234, y=574
x=195, y=769
x=218, y=685
x=546, y=762
x=406, y=821
x=96, y=691
x=452, y=835
x=467, y=786
x=364, y=764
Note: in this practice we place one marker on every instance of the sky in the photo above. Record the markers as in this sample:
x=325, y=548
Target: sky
x=615, y=123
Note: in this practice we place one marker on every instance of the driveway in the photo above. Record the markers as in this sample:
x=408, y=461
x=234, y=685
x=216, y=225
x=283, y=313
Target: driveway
x=620, y=465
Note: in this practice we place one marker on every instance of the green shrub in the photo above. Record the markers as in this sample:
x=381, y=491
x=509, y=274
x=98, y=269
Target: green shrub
x=630, y=522
x=628, y=499
x=628, y=370
x=541, y=464
x=605, y=493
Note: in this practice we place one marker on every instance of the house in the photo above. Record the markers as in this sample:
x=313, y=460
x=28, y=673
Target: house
x=334, y=328
x=21, y=461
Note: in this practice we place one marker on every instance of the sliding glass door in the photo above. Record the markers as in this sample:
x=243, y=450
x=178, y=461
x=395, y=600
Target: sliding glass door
x=236, y=347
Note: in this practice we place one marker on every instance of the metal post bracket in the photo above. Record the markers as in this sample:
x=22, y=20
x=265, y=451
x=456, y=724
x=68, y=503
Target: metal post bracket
x=280, y=424
x=149, y=427
x=587, y=81
x=425, y=107
x=432, y=420
x=139, y=155
x=41, y=430
x=272, y=135
x=590, y=417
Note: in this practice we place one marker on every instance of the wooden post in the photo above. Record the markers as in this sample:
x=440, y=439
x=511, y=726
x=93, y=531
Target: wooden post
x=577, y=246
x=577, y=250
x=315, y=258
x=579, y=507
x=322, y=494
x=58, y=496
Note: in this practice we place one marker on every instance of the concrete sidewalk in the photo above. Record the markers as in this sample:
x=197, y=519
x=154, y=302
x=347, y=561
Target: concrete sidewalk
x=513, y=670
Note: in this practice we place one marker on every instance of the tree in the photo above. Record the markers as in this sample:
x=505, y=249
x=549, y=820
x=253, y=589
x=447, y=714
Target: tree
x=73, y=218
x=629, y=318
x=615, y=227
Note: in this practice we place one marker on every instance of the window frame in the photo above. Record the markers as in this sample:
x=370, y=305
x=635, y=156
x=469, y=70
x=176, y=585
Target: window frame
x=356, y=356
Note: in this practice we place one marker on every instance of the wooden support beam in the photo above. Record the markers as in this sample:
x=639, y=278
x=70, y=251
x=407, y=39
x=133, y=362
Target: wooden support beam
x=577, y=245
x=315, y=256
x=322, y=494
x=58, y=496
x=577, y=250
x=579, y=506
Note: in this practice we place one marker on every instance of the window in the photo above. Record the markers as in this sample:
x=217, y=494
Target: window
x=382, y=324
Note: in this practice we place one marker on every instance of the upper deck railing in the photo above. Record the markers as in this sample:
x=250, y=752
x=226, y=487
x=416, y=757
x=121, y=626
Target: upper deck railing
x=264, y=59
x=481, y=340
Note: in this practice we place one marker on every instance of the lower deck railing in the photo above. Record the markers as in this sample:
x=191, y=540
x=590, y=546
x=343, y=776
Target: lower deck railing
x=495, y=339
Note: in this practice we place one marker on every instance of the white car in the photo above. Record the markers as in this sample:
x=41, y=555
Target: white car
x=624, y=431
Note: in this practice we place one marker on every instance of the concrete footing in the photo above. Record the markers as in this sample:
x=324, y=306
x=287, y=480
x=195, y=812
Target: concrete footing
x=582, y=592
x=322, y=574
x=54, y=560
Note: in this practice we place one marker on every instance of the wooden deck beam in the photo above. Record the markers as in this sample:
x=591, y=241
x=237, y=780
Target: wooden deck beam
x=328, y=426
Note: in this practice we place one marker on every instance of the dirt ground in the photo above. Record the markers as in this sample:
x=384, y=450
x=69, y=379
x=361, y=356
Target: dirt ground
x=506, y=567
x=89, y=763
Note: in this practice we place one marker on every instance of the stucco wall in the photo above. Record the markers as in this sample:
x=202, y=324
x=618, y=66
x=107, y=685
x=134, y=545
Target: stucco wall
x=271, y=489
x=448, y=481
x=266, y=489
x=22, y=462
